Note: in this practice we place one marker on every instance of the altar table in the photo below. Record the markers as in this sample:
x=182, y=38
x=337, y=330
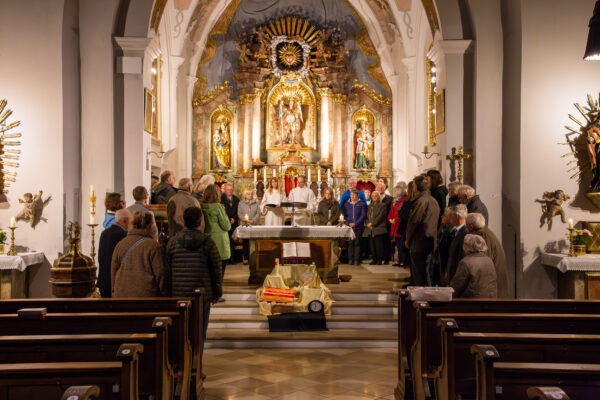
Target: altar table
x=580, y=276
x=14, y=282
x=266, y=244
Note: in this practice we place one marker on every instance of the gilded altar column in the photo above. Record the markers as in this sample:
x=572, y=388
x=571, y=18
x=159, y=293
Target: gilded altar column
x=326, y=131
x=385, y=152
x=339, y=110
x=245, y=134
x=256, y=128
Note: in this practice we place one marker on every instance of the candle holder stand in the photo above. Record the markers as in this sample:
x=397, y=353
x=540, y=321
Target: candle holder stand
x=571, y=245
x=12, y=251
x=93, y=249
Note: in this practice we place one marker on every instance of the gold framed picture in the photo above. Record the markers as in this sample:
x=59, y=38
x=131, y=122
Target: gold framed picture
x=440, y=111
x=148, y=106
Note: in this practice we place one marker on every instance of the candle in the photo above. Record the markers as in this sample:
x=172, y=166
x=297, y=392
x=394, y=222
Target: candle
x=328, y=175
x=274, y=172
x=265, y=174
x=246, y=217
x=570, y=223
x=92, y=219
x=319, y=174
x=13, y=222
x=255, y=175
x=341, y=217
x=162, y=148
x=425, y=150
x=309, y=175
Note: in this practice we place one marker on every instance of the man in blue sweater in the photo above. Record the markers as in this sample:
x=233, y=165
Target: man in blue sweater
x=346, y=195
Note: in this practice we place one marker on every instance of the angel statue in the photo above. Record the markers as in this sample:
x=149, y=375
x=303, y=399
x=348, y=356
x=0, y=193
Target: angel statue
x=33, y=207
x=551, y=206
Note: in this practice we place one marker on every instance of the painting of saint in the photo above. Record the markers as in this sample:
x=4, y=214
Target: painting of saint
x=222, y=159
x=292, y=122
x=363, y=141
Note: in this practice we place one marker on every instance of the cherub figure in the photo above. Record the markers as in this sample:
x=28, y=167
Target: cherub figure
x=552, y=206
x=33, y=207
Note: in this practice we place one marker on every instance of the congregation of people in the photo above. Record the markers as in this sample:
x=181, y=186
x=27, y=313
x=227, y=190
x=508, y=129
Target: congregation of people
x=439, y=233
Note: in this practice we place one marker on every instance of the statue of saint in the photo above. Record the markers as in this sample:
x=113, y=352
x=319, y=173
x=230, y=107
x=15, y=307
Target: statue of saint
x=362, y=141
x=222, y=150
x=593, y=139
x=291, y=120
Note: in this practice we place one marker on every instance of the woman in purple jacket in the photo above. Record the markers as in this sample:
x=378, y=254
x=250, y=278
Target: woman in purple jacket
x=355, y=212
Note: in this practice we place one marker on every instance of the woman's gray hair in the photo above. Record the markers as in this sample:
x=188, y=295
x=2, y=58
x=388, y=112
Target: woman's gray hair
x=474, y=244
x=466, y=190
x=459, y=210
x=246, y=192
x=203, y=183
x=476, y=220
x=400, y=190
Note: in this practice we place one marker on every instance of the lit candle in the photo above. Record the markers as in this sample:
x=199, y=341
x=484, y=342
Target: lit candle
x=319, y=174
x=274, y=172
x=265, y=174
x=246, y=218
x=13, y=222
x=570, y=223
x=309, y=175
x=92, y=219
x=328, y=175
x=341, y=217
x=255, y=175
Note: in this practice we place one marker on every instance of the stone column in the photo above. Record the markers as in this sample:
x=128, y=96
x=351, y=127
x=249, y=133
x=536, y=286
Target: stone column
x=256, y=131
x=246, y=101
x=339, y=107
x=454, y=76
x=238, y=147
x=137, y=54
x=200, y=146
x=385, y=150
x=326, y=131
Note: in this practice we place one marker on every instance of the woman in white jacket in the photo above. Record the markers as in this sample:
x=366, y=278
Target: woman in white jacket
x=270, y=205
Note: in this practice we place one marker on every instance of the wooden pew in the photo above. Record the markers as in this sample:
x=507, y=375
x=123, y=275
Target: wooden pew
x=179, y=348
x=81, y=393
x=546, y=393
x=117, y=380
x=407, y=323
x=505, y=380
x=456, y=374
x=156, y=377
x=159, y=304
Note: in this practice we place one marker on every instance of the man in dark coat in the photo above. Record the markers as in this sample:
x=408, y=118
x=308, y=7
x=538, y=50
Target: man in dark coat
x=386, y=200
x=195, y=262
x=108, y=241
x=458, y=216
x=163, y=191
x=438, y=191
x=421, y=231
x=231, y=203
x=467, y=196
x=495, y=251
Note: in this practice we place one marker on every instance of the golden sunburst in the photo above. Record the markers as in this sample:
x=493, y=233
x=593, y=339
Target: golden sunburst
x=290, y=55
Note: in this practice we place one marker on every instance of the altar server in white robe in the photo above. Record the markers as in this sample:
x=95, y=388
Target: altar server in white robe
x=302, y=194
x=273, y=196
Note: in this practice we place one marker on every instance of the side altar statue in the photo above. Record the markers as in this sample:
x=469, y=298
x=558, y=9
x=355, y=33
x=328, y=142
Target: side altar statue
x=267, y=244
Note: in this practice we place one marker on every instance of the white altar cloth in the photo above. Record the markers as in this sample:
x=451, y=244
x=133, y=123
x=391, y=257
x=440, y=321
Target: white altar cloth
x=21, y=261
x=293, y=232
x=564, y=263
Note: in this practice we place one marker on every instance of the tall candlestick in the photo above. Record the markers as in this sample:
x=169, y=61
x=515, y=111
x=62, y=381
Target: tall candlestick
x=12, y=251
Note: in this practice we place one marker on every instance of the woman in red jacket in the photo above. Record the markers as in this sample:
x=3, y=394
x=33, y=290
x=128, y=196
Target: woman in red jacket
x=399, y=196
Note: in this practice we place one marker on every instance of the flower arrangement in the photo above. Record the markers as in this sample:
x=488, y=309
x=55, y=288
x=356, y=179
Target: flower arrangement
x=2, y=237
x=581, y=237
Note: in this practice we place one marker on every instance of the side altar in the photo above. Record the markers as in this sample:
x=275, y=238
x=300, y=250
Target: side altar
x=266, y=245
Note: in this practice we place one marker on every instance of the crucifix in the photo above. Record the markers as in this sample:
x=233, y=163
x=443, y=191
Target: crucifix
x=458, y=157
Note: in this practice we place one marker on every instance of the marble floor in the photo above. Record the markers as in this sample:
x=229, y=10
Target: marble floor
x=300, y=374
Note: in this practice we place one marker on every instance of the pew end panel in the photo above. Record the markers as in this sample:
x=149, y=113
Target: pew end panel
x=485, y=356
x=444, y=376
x=418, y=353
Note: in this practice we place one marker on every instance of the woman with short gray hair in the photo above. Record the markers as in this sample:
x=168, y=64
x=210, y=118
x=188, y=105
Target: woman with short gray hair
x=476, y=275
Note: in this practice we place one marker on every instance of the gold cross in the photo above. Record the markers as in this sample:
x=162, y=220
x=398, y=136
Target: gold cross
x=458, y=156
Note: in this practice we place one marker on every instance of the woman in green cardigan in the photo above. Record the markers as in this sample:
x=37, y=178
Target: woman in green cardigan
x=216, y=222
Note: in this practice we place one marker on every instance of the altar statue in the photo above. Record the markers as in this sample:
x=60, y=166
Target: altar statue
x=222, y=151
x=362, y=141
x=291, y=120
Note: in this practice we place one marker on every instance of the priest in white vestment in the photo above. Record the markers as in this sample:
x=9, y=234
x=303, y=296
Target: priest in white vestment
x=272, y=197
x=302, y=194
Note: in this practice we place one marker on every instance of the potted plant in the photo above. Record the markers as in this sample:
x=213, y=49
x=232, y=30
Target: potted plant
x=581, y=238
x=2, y=241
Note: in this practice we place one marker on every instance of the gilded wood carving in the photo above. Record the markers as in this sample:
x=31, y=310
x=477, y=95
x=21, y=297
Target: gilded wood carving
x=221, y=122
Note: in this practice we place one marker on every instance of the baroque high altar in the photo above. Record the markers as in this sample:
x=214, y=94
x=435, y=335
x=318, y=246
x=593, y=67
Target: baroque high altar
x=294, y=106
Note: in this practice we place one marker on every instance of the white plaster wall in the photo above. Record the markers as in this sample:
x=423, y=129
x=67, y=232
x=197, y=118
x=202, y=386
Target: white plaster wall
x=31, y=81
x=554, y=76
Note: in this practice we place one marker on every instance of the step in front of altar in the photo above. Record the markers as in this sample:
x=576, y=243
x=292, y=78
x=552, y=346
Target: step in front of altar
x=250, y=307
x=339, y=321
x=250, y=295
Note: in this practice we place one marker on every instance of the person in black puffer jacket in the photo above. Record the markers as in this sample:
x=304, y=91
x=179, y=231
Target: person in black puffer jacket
x=403, y=215
x=438, y=190
x=195, y=262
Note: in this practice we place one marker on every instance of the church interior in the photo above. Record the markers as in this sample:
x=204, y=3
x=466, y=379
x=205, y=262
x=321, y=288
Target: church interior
x=388, y=199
